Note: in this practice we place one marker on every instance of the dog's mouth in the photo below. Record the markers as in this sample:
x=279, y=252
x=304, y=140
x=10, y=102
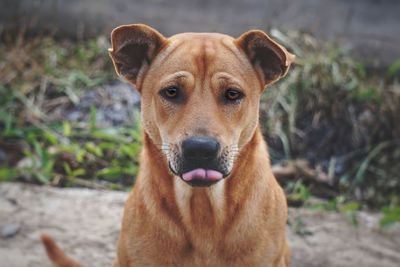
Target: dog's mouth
x=202, y=177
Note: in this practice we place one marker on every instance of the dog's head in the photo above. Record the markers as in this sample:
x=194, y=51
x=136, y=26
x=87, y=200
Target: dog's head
x=200, y=93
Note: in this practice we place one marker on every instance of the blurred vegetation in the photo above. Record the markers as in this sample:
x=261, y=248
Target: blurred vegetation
x=330, y=111
x=342, y=119
x=37, y=76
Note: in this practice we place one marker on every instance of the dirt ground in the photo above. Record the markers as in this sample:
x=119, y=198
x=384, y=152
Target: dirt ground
x=86, y=224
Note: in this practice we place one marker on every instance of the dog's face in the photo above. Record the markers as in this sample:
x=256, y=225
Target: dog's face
x=200, y=93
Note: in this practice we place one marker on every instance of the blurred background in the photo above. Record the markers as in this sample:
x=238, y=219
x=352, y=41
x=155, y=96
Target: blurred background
x=332, y=124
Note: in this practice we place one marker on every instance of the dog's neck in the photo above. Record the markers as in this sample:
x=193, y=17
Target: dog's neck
x=203, y=207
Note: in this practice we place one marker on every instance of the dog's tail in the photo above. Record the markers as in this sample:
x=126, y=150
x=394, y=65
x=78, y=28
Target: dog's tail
x=56, y=255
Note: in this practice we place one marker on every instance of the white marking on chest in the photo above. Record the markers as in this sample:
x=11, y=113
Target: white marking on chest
x=216, y=194
x=217, y=199
x=183, y=193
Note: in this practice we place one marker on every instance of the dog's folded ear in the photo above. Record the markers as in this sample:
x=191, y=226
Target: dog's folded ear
x=133, y=48
x=271, y=60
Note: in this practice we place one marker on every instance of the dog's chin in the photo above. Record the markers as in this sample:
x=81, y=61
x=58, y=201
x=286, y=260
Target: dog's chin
x=200, y=183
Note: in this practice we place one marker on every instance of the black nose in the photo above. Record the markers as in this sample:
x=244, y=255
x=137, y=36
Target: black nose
x=203, y=149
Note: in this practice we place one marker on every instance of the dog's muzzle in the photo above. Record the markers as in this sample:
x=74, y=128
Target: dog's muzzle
x=200, y=162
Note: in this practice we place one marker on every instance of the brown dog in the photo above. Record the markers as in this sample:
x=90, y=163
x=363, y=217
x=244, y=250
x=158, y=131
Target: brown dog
x=205, y=194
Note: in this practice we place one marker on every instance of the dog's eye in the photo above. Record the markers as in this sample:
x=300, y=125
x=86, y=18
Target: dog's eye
x=170, y=93
x=233, y=95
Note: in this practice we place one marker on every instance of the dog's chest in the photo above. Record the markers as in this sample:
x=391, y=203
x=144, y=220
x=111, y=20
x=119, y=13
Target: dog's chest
x=201, y=207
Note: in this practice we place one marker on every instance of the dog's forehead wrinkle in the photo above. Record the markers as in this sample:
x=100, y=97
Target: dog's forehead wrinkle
x=198, y=44
x=168, y=51
x=236, y=51
x=209, y=48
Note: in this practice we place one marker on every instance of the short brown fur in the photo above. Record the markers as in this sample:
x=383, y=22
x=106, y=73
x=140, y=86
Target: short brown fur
x=240, y=221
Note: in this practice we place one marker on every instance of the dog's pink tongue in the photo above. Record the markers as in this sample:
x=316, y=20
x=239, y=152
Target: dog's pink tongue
x=202, y=174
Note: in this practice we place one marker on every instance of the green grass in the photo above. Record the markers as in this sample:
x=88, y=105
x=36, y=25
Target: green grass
x=37, y=72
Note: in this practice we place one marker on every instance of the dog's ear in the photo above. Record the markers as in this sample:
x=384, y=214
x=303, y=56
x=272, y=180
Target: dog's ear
x=271, y=60
x=133, y=49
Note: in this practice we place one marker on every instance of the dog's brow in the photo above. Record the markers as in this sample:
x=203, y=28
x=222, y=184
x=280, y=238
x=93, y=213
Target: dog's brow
x=176, y=76
x=226, y=77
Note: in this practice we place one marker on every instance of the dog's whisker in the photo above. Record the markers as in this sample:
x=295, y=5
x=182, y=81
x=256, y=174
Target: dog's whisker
x=163, y=144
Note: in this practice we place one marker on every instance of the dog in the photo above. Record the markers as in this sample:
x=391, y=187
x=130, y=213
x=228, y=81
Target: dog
x=205, y=194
